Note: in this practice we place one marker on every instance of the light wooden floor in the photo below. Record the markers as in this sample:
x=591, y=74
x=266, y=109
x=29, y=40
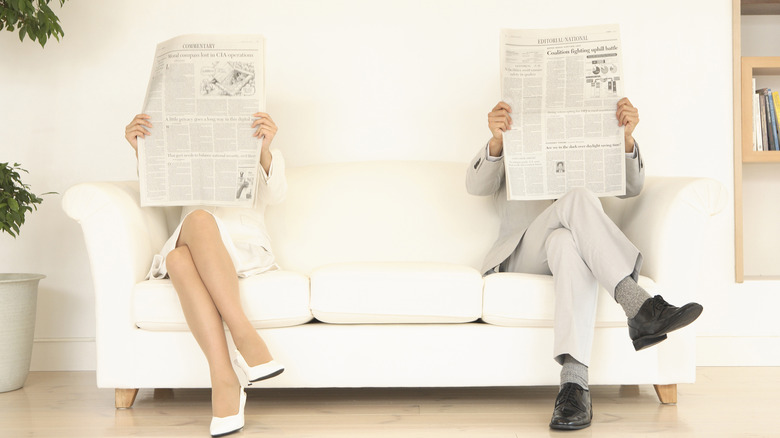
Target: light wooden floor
x=724, y=402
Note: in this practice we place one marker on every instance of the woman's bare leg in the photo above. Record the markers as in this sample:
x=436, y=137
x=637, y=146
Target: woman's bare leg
x=206, y=326
x=217, y=273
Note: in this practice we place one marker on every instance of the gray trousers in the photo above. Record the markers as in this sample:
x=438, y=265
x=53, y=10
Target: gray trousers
x=576, y=242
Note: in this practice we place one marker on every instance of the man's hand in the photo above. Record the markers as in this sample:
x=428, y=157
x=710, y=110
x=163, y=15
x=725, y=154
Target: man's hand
x=499, y=121
x=136, y=129
x=627, y=116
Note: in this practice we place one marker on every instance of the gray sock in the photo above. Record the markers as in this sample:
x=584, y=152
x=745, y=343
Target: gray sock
x=574, y=371
x=631, y=296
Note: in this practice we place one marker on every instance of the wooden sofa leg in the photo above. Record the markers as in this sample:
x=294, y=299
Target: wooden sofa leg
x=666, y=393
x=124, y=398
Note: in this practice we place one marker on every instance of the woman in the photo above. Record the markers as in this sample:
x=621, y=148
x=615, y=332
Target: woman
x=204, y=257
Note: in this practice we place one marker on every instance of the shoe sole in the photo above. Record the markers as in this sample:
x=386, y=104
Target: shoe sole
x=227, y=433
x=268, y=376
x=686, y=317
x=568, y=427
x=648, y=341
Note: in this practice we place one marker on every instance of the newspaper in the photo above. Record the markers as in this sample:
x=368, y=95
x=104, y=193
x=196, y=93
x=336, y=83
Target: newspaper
x=563, y=86
x=201, y=96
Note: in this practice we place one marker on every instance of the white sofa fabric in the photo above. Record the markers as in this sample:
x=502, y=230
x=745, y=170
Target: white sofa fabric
x=396, y=292
x=274, y=299
x=380, y=286
x=532, y=307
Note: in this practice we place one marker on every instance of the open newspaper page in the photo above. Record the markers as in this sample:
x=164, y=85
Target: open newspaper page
x=201, y=96
x=563, y=86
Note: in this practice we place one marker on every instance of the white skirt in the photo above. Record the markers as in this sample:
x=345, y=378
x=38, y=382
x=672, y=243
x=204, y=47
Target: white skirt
x=250, y=256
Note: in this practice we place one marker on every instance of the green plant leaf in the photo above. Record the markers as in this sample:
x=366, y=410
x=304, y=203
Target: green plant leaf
x=33, y=19
x=16, y=200
x=7, y=229
x=46, y=9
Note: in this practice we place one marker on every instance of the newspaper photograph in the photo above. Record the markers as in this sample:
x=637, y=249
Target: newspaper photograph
x=202, y=93
x=563, y=86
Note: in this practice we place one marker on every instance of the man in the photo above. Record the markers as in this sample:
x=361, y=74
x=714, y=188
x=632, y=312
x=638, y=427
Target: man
x=574, y=240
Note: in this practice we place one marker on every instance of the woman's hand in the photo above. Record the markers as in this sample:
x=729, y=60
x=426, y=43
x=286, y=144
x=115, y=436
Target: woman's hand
x=265, y=129
x=137, y=128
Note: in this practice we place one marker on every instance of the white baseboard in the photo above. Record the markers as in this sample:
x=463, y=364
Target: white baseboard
x=78, y=354
x=713, y=351
x=63, y=354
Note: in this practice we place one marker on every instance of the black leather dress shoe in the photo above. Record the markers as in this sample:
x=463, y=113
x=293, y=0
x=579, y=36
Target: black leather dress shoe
x=656, y=318
x=573, y=409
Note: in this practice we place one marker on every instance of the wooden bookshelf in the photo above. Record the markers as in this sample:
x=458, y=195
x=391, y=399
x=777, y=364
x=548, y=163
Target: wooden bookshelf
x=755, y=66
x=744, y=69
x=760, y=7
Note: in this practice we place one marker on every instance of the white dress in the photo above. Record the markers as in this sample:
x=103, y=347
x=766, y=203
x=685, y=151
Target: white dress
x=242, y=229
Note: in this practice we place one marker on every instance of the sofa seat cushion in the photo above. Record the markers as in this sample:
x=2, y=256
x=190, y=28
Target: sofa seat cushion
x=271, y=299
x=528, y=300
x=396, y=292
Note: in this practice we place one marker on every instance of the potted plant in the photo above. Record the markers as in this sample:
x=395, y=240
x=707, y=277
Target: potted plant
x=35, y=20
x=18, y=292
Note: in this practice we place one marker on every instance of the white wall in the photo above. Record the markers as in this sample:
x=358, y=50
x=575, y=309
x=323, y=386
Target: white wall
x=355, y=80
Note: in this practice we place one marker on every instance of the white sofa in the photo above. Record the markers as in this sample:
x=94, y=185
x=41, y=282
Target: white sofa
x=380, y=286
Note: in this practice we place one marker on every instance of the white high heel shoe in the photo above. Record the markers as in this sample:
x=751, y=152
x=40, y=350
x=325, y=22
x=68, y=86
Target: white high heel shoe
x=258, y=372
x=221, y=426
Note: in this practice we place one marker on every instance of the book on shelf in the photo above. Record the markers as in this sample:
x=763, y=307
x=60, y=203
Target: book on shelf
x=768, y=115
x=758, y=143
x=762, y=117
x=776, y=102
x=771, y=120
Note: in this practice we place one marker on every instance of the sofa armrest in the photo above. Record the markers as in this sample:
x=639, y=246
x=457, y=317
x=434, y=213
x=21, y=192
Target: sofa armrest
x=121, y=238
x=668, y=222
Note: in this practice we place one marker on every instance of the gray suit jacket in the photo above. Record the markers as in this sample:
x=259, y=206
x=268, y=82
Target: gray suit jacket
x=485, y=177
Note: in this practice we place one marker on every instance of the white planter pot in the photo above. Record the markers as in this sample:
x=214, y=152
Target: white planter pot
x=18, y=298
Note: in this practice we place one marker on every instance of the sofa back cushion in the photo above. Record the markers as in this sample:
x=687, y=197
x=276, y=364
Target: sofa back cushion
x=383, y=211
x=396, y=293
